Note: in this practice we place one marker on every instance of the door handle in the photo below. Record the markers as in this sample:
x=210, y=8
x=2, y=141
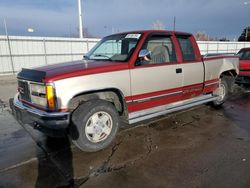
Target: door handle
x=179, y=70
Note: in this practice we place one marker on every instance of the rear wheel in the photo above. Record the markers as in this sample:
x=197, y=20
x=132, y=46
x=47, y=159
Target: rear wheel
x=96, y=124
x=222, y=92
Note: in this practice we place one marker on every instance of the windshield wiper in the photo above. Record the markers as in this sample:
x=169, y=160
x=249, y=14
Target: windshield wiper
x=102, y=55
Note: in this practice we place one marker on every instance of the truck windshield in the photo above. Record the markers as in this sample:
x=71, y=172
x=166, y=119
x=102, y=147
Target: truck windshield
x=114, y=48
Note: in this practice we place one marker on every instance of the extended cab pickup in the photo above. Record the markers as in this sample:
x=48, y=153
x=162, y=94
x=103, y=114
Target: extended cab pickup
x=132, y=76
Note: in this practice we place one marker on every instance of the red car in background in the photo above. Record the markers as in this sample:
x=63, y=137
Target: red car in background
x=244, y=75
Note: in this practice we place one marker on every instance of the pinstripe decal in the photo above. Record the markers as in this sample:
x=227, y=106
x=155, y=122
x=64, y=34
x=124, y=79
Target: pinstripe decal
x=158, y=96
x=145, y=100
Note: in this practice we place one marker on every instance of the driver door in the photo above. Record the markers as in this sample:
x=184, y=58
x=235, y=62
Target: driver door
x=158, y=81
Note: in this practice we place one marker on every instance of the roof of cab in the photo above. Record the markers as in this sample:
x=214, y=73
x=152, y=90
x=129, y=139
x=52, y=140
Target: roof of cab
x=154, y=31
x=247, y=48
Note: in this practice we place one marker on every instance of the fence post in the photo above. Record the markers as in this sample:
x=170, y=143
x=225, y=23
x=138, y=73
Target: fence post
x=45, y=51
x=8, y=42
x=71, y=50
x=11, y=58
x=207, y=47
x=87, y=41
x=217, y=47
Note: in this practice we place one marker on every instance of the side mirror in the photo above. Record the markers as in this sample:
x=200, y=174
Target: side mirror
x=145, y=55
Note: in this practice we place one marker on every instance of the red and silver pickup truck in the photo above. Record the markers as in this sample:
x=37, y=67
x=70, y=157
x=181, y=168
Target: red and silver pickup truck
x=132, y=77
x=244, y=75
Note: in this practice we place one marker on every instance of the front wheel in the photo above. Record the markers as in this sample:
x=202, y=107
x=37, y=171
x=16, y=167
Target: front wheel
x=96, y=124
x=221, y=92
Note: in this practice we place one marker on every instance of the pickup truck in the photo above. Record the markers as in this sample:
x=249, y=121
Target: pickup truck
x=244, y=76
x=131, y=77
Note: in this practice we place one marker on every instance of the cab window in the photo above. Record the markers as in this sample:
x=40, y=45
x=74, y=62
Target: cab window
x=161, y=49
x=186, y=48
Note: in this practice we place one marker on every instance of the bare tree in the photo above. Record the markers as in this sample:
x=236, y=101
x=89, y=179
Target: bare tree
x=201, y=36
x=158, y=25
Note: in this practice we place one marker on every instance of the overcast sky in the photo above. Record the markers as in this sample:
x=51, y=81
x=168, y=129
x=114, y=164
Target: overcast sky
x=218, y=18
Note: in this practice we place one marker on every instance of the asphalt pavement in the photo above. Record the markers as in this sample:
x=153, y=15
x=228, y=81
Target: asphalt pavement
x=196, y=148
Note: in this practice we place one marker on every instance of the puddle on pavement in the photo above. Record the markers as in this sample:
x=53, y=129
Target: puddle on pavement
x=237, y=109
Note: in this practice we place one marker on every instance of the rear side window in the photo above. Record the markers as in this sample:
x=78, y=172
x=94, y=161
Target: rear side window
x=186, y=48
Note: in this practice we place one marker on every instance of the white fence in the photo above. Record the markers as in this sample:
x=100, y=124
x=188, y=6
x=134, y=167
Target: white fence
x=221, y=47
x=25, y=52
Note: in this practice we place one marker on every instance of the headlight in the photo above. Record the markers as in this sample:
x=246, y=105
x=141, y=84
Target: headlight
x=42, y=95
x=37, y=89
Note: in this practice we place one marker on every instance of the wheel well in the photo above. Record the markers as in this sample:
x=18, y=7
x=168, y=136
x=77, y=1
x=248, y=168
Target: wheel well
x=229, y=73
x=114, y=96
x=230, y=76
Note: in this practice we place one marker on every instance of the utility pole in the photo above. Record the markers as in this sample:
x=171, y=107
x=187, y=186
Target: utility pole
x=8, y=41
x=80, y=19
x=174, y=23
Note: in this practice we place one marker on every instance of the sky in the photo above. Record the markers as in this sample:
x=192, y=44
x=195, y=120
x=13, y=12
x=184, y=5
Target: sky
x=217, y=18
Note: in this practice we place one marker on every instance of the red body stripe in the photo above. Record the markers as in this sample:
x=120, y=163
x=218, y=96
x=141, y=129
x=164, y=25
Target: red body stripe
x=211, y=81
x=132, y=107
x=128, y=98
x=192, y=91
x=111, y=67
x=209, y=89
x=188, y=92
x=219, y=57
x=193, y=86
x=168, y=91
x=155, y=94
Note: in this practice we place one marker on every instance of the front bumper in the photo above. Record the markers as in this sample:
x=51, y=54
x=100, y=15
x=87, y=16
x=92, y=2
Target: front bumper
x=38, y=118
x=242, y=79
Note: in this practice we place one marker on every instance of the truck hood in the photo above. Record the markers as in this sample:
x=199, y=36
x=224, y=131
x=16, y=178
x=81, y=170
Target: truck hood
x=65, y=70
x=244, y=64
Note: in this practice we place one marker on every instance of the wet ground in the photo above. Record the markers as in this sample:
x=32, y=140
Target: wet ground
x=200, y=147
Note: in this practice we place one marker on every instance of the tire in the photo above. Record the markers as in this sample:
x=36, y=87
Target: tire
x=95, y=124
x=222, y=93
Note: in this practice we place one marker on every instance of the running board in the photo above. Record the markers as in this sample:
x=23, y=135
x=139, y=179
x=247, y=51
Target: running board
x=169, y=108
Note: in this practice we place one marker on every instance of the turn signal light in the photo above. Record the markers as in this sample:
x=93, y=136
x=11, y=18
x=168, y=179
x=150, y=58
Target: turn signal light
x=50, y=97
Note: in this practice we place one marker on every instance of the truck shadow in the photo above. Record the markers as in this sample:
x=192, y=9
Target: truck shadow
x=55, y=167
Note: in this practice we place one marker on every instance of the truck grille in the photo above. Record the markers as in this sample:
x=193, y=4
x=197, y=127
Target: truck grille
x=23, y=89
